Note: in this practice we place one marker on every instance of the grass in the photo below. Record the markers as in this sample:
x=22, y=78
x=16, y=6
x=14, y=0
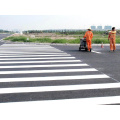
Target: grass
x=97, y=39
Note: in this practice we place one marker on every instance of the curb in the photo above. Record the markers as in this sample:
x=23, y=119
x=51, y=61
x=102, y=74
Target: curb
x=52, y=43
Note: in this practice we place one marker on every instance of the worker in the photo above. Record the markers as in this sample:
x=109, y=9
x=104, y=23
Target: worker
x=112, y=37
x=89, y=35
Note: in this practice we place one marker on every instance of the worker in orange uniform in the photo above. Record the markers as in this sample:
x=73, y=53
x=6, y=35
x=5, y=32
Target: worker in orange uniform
x=89, y=35
x=112, y=37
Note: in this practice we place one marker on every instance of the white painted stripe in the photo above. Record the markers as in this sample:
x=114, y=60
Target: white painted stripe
x=37, y=58
x=24, y=48
x=31, y=66
x=34, y=55
x=53, y=78
x=59, y=88
x=3, y=46
x=81, y=102
x=28, y=50
x=65, y=109
x=25, y=44
x=30, y=53
x=48, y=71
x=96, y=52
x=14, y=62
x=22, y=45
x=90, y=101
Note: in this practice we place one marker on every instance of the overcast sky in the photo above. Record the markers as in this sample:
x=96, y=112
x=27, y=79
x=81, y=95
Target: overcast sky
x=58, y=14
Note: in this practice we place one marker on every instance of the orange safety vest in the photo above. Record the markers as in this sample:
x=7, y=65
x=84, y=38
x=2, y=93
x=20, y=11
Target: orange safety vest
x=88, y=35
x=112, y=35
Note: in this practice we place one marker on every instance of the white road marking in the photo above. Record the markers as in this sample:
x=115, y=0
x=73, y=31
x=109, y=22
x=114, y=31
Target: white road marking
x=54, y=78
x=24, y=48
x=78, y=102
x=48, y=50
x=48, y=71
x=30, y=53
x=59, y=88
x=29, y=58
x=34, y=55
x=27, y=50
x=30, y=66
x=96, y=52
x=54, y=61
x=66, y=109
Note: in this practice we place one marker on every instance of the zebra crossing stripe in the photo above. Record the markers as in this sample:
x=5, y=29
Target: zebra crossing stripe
x=31, y=66
x=37, y=58
x=33, y=55
x=48, y=71
x=6, y=51
x=22, y=49
x=59, y=88
x=29, y=53
x=78, y=101
x=14, y=62
x=53, y=78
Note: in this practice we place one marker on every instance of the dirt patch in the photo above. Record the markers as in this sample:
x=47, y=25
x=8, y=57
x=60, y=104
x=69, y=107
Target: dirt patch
x=53, y=36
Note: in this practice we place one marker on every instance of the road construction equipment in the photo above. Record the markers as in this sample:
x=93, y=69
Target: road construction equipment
x=83, y=45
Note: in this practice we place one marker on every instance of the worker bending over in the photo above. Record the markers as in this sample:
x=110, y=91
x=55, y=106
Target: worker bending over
x=112, y=37
x=88, y=35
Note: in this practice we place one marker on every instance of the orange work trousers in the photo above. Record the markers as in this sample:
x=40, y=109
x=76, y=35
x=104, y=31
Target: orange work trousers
x=89, y=44
x=112, y=44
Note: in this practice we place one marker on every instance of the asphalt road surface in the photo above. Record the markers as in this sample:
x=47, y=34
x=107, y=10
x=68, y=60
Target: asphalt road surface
x=3, y=36
x=38, y=72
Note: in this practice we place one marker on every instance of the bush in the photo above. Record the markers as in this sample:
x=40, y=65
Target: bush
x=42, y=40
x=59, y=41
x=75, y=41
x=99, y=41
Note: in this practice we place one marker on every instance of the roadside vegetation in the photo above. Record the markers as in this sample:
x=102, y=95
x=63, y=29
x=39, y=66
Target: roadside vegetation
x=67, y=37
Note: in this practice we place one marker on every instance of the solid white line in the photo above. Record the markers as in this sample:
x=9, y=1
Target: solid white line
x=29, y=58
x=53, y=78
x=31, y=66
x=34, y=55
x=59, y=88
x=14, y=62
x=48, y=71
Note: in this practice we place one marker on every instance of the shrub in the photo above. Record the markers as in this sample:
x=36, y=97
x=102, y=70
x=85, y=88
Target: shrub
x=59, y=41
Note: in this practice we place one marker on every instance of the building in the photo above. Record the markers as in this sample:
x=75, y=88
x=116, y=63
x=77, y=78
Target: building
x=107, y=27
x=93, y=27
x=99, y=27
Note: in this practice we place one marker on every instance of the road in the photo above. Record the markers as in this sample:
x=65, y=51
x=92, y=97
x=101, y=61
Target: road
x=101, y=59
x=3, y=36
x=31, y=72
x=40, y=81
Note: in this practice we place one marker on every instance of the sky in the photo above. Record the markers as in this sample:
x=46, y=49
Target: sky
x=58, y=14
